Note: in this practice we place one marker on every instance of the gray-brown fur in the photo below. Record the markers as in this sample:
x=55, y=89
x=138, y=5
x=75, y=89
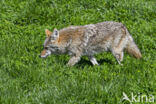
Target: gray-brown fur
x=92, y=39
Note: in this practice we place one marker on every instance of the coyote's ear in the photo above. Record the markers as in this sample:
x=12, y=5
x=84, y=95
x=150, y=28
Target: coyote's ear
x=48, y=33
x=55, y=34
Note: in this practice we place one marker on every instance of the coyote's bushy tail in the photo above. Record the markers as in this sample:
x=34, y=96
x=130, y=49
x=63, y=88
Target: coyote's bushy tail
x=132, y=48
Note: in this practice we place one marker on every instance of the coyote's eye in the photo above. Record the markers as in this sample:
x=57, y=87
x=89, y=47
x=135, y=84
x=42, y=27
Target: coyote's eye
x=45, y=47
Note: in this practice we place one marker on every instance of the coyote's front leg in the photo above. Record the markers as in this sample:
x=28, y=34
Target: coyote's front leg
x=73, y=60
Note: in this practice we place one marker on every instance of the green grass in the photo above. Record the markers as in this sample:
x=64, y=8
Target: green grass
x=27, y=79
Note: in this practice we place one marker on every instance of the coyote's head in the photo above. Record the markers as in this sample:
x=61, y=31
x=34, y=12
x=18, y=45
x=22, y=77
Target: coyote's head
x=51, y=43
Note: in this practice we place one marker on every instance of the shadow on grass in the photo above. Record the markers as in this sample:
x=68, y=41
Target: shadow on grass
x=102, y=61
x=83, y=62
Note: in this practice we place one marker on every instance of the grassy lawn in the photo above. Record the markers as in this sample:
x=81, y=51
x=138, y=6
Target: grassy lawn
x=27, y=79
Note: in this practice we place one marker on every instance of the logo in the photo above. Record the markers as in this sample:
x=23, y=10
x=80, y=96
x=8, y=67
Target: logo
x=137, y=98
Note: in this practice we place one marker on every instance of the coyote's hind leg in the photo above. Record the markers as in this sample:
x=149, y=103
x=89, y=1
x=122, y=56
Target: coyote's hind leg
x=118, y=55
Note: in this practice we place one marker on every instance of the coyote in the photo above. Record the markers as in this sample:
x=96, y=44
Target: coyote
x=89, y=40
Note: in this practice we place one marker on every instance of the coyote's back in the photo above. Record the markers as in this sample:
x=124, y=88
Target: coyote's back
x=89, y=40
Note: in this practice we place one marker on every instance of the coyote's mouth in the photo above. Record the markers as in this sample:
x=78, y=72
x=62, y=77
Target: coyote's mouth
x=45, y=53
